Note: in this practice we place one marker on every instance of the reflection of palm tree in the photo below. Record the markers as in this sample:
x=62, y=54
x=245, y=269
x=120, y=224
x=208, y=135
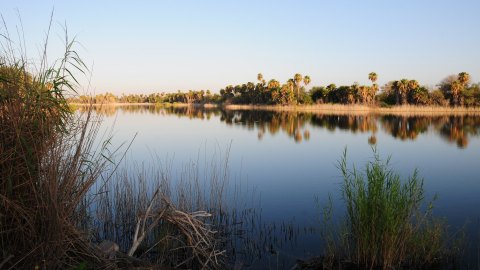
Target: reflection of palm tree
x=372, y=140
x=306, y=135
x=455, y=129
x=298, y=136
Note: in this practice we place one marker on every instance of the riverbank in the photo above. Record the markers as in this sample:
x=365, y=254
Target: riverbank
x=321, y=108
x=362, y=109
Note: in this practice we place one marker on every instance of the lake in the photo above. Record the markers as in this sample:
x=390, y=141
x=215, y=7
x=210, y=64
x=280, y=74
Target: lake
x=286, y=163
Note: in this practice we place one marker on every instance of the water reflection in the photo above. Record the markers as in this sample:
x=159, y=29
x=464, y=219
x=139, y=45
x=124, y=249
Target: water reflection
x=455, y=129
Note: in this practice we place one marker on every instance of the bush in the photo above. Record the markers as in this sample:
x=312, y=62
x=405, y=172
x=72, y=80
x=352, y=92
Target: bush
x=385, y=227
x=46, y=164
x=438, y=98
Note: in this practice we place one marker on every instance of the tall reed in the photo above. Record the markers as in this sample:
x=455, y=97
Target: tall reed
x=185, y=210
x=387, y=224
x=48, y=161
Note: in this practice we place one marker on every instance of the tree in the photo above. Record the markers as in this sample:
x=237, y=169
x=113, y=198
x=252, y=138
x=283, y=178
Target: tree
x=456, y=88
x=260, y=78
x=272, y=84
x=297, y=79
x=356, y=91
x=306, y=80
x=401, y=91
x=318, y=94
x=464, y=78
x=413, y=84
x=372, y=76
x=419, y=96
x=364, y=92
x=331, y=89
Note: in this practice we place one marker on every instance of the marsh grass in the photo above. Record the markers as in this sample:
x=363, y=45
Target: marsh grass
x=340, y=109
x=185, y=212
x=61, y=193
x=49, y=160
x=45, y=174
x=387, y=223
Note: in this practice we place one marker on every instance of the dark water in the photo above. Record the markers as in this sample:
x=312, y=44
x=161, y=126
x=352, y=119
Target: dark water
x=289, y=159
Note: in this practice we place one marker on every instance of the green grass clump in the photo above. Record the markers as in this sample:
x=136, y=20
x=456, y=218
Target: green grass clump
x=387, y=224
x=47, y=162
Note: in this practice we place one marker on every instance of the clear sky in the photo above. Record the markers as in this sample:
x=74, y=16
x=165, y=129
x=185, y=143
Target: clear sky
x=149, y=46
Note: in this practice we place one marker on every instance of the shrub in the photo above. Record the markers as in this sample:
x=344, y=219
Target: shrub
x=438, y=98
x=385, y=226
x=46, y=163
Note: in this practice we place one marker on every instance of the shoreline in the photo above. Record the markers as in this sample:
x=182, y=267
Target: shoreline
x=361, y=109
x=318, y=108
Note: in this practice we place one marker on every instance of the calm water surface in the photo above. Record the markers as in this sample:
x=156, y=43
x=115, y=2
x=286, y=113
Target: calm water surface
x=289, y=159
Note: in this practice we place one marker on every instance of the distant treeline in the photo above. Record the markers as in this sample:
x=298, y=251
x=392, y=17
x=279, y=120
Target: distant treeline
x=454, y=90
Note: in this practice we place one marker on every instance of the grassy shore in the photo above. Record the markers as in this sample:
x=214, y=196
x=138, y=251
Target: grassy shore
x=321, y=108
x=362, y=109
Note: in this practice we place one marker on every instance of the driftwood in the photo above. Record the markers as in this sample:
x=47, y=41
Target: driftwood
x=198, y=237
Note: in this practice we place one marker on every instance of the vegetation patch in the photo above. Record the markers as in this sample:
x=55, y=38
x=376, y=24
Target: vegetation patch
x=387, y=224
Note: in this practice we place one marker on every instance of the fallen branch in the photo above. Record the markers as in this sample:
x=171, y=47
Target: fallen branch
x=197, y=237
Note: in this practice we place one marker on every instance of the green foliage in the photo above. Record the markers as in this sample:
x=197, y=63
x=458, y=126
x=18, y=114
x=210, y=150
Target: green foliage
x=385, y=227
x=319, y=94
x=438, y=98
x=45, y=167
x=419, y=96
x=472, y=96
x=401, y=92
x=386, y=99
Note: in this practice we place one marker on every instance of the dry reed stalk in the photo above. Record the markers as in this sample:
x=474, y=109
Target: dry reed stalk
x=47, y=163
x=138, y=211
x=362, y=109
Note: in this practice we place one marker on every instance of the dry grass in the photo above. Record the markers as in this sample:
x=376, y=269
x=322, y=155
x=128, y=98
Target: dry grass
x=56, y=171
x=363, y=109
x=166, y=220
x=47, y=163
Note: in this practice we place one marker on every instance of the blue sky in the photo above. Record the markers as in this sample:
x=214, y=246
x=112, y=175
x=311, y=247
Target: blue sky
x=147, y=46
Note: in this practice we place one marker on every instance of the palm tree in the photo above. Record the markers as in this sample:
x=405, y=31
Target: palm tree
x=291, y=84
x=456, y=89
x=260, y=78
x=331, y=87
x=413, y=84
x=464, y=78
x=306, y=80
x=356, y=91
x=330, y=91
x=401, y=90
x=297, y=79
x=273, y=84
x=363, y=90
x=372, y=76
